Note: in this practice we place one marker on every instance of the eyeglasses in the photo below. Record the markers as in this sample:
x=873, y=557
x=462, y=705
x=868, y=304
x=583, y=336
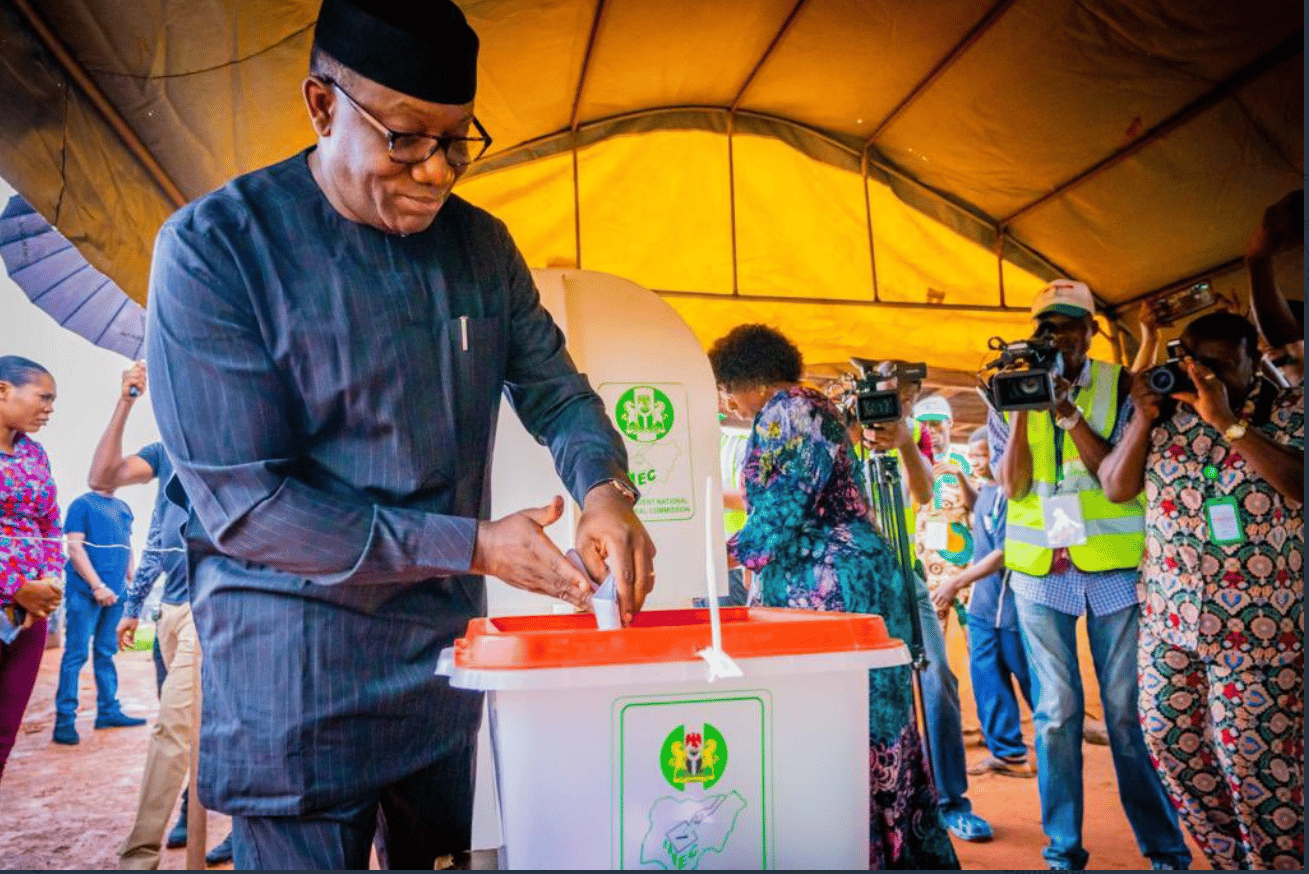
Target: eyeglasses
x=411, y=148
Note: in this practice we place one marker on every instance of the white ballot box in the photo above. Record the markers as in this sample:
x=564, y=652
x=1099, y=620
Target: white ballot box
x=612, y=749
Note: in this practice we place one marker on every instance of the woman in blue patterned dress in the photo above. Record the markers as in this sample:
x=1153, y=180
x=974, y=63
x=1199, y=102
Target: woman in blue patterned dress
x=809, y=538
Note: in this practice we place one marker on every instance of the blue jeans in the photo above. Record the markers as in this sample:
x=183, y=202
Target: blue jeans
x=1050, y=638
x=945, y=727
x=996, y=661
x=87, y=623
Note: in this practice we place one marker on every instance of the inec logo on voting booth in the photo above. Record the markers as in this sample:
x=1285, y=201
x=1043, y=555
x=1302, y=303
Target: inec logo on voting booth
x=690, y=756
x=644, y=413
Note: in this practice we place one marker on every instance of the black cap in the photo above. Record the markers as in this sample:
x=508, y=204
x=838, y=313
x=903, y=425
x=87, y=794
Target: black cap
x=423, y=48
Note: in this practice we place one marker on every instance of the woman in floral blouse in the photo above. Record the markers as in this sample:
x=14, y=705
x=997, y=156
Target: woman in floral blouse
x=31, y=560
x=1222, y=621
x=809, y=538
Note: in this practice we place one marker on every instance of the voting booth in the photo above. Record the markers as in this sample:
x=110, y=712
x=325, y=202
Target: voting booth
x=623, y=749
x=656, y=384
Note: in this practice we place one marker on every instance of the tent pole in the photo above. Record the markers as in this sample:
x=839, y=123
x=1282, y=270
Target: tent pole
x=586, y=65
x=840, y=301
x=868, y=219
x=573, y=124
x=1283, y=51
x=978, y=30
x=999, y=262
x=107, y=111
x=577, y=214
x=731, y=196
x=763, y=59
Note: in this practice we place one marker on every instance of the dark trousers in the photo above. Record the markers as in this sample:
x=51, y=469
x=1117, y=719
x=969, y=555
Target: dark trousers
x=413, y=823
x=20, y=662
x=996, y=661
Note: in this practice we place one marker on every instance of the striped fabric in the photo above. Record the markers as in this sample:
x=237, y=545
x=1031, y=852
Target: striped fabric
x=328, y=394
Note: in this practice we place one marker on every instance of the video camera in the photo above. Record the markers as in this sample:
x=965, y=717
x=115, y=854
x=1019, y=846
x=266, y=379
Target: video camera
x=1022, y=377
x=1171, y=376
x=869, y=405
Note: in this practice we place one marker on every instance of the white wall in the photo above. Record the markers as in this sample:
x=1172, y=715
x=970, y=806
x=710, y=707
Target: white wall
x=88, y=379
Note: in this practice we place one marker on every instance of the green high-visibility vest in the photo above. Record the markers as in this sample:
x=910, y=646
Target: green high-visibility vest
x=1115, y=533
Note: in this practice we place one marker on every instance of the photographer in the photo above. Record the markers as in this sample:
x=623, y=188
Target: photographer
x=902, y=438
x=1071, y=551
x=909, y=443
x=1221, y=648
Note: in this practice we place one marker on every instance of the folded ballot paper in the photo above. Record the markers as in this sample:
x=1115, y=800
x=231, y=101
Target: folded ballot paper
x=604, y=600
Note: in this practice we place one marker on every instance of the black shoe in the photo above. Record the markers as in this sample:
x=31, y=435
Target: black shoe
x=118, y=720
x=66, y=734
x=221, y=853
x=177, y=835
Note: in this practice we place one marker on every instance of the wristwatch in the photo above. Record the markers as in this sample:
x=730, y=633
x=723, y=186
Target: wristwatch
x=1070, y=421
x=1235, y=431
x=623, y=488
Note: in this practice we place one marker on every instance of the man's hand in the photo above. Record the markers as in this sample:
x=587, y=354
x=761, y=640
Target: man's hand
x=610, y=536
x=134, y=378
x=1147, y=401
x=39, y=598
x=1279, y=229
x=1149, y=324
x=516, y=550
x=1063, y=398
x=1210, y=397
x=127, y=632
x=104, y=596
x=944, y=595
x=892, y=435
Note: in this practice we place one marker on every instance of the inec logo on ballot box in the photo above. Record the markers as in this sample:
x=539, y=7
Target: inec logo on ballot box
x=644, y=413
x=690, y=756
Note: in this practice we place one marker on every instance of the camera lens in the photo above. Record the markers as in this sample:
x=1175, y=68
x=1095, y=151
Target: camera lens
x=1032, y=385
x=1161, y=380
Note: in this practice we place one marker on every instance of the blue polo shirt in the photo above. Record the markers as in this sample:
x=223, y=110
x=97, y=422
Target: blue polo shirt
x=106, y=522
x=988, y=535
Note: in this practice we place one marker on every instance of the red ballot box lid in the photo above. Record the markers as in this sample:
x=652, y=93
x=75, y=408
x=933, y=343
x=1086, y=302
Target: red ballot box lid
x=572, y=640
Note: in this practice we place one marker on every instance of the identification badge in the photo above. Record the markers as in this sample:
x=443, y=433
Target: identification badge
x=1225, y=526
x=937, y=535
x=1064, y=525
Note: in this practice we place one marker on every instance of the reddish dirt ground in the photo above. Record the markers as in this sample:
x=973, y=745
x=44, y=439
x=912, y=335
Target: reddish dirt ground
x=65, y=808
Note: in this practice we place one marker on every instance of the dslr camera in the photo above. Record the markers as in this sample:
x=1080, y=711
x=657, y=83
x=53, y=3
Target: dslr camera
x=1022, y=376
x=871, y=406
x=1171, y=376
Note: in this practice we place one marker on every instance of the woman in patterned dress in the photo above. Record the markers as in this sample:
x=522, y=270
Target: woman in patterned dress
x=809, y=538
x=30, y=556
x=1221, y=657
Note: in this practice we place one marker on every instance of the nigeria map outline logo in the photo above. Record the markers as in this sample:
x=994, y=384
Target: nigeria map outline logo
x=685, y=828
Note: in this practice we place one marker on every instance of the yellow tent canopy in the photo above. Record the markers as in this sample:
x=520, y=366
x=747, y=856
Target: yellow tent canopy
x=889, y=179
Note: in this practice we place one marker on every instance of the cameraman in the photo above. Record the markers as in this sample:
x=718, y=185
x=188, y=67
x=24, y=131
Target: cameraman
x=1072, y=551
x=1222, y=634
x=909, y=443
x=902, y=438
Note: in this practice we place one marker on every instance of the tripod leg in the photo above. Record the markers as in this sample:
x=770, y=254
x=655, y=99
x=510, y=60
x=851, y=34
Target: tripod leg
x=924, y=734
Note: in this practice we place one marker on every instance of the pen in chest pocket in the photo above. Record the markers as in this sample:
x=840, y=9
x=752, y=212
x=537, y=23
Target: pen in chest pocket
x=463, y=333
